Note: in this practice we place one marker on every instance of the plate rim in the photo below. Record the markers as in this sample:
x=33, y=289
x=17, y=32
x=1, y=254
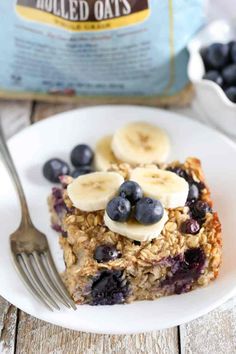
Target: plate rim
x=122, y=106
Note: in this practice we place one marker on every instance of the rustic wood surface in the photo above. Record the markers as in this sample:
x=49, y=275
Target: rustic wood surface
x=20, y=333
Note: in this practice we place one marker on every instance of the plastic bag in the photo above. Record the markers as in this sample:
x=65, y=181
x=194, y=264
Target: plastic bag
x=115, y=50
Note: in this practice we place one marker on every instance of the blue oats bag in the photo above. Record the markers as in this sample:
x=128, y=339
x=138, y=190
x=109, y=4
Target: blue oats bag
x=114, y=50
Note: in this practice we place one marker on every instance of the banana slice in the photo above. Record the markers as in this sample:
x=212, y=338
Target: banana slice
x=132, y=229
x=140, y=142
x=104, y=156
x=93, y=191
x=166, y=186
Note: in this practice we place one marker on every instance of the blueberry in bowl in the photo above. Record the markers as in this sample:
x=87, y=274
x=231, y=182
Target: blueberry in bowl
x=215, y=76
x=213, y=95
x=231, y=93
x=232, y=45
x=216, y=55
x=220, y=66
x=229, y=75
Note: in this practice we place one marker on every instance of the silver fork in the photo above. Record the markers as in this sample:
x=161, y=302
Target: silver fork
x=30, y=249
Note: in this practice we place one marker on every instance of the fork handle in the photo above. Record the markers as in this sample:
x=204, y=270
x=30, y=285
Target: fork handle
x=9, y=164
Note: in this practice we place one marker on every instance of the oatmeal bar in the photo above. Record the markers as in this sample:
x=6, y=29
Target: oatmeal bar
x=185, y=256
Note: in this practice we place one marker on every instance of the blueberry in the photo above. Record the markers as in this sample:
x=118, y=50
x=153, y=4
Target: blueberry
x=203, y=52
x=231, y=93
x=82, y=170
x=185, y=269
x=148, y=211
x=214, y=75
x=54, y=168
x=58, y=202
x=59, y=229
x=190, y=226
x=81, y=155
x=180, y=172
x=232, y=46
x=217, y=55
x=131, y=191
x=195, y=258
x=109, y=288
x=193, y=193
x=106, y=253
x=56, y=227
x=137, y=243
x=57, y=193
x=231, y=43
x=64, y=233
x=119, y=209
x=201, y=186
x=199, y=209
x=229, y=75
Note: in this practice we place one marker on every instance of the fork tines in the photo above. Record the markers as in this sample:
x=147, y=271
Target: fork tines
x=40, y=275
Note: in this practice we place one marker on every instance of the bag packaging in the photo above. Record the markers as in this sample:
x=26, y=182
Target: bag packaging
x=126, y=51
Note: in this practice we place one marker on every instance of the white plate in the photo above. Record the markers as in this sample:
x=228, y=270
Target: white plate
x=56, y=137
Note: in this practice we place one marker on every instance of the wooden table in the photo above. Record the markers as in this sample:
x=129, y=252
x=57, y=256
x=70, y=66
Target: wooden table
x=20, y=333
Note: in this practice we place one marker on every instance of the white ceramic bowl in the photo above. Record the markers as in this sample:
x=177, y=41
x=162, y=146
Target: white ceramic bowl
x=216, y=108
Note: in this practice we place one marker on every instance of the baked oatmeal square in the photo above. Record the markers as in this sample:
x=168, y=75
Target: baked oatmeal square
x=104, y=267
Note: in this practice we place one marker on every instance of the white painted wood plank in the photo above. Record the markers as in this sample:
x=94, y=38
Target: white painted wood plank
x=214, y=333
x=14, y=116
x=35, y=336
x=8, y=319
x=45, y=110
